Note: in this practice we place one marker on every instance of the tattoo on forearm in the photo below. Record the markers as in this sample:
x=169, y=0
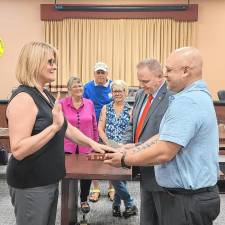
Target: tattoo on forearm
x=144, y=146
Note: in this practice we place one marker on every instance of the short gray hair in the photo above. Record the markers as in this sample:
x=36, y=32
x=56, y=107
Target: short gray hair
x=152, y=64
x=71, y=81
x=120, y=83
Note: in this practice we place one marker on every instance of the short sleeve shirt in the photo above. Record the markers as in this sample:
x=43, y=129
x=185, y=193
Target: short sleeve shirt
x=190, y=121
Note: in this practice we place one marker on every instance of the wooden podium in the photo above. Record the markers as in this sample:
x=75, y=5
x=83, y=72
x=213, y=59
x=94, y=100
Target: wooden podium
x=79, y=167
x=4, y=140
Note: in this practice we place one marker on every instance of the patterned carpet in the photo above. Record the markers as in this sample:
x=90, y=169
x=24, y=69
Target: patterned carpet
x=100, y=213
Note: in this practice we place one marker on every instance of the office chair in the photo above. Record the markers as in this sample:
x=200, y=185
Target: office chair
x=221, y=95
x=84, y=220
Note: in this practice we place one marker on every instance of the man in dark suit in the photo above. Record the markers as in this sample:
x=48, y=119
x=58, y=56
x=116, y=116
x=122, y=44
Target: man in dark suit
x=152, y=83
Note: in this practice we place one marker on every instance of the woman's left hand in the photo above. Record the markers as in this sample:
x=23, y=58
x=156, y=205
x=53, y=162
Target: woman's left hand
x=101, y=148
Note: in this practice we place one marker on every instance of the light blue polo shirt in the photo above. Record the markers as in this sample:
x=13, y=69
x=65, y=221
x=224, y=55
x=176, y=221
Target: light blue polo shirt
x=191, y=122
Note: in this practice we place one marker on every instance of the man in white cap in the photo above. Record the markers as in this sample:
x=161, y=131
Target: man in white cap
x=99, y=91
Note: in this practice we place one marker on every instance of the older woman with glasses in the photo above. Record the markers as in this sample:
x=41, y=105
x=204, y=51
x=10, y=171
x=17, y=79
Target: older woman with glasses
x=80, y=113
x=113, y=123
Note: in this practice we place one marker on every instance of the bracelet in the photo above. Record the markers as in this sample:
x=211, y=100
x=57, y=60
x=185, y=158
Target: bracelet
x=123, y=164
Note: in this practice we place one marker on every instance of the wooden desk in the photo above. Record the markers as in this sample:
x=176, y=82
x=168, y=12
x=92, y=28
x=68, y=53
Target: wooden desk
x=79, y=167
x=221, y=176
x=4, y=138
x=3, y=106
x=222, y=148
x=221, y=161
x=4, y=133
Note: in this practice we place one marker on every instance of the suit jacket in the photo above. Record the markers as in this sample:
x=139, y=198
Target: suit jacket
x=150, y=128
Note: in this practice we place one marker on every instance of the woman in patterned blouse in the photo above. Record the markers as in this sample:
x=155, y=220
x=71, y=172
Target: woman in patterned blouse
x=113, y=123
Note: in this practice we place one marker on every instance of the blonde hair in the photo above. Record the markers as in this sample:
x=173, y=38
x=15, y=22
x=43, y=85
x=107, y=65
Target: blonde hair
x=121, y=84
x=33, y=57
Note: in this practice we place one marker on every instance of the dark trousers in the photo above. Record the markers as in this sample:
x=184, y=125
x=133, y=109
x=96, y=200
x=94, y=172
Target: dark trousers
x=189, y=208
x=150, y=206
x=84, y=189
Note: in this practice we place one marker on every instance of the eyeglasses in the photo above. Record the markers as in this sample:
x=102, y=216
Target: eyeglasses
x=117, y=91
x=77, y=86
x=100, y=72
x=51, y=62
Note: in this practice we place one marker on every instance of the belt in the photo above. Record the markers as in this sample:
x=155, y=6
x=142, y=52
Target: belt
x=189, y=191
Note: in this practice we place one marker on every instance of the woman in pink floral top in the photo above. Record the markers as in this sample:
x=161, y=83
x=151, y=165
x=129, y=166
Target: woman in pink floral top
x=80, y=113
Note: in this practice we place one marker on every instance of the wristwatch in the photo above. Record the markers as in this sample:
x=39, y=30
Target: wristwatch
x=123, y=164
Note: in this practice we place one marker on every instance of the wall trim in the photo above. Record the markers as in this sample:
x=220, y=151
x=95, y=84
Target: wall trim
x=48, y=12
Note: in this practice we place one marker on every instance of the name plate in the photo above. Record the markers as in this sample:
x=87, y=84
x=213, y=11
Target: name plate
x=96, y=156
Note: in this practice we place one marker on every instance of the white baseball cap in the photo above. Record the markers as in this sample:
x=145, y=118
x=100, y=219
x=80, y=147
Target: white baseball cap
x=101, y=66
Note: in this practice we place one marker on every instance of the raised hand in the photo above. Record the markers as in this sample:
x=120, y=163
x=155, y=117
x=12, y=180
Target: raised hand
x=57, y=114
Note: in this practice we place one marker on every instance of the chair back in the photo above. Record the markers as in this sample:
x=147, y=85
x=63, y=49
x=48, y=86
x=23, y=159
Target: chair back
x=221, y=95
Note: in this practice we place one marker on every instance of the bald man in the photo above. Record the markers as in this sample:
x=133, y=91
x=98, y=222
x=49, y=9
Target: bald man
x=186, y=149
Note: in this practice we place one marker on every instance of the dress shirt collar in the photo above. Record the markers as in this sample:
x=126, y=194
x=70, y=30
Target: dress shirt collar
x=104, y=85
x=70, y=103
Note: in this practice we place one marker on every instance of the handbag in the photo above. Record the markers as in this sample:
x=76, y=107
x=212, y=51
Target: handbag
x=3, y=155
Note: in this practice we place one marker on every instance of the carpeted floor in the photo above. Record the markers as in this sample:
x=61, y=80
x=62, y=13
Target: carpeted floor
x=100, y=213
